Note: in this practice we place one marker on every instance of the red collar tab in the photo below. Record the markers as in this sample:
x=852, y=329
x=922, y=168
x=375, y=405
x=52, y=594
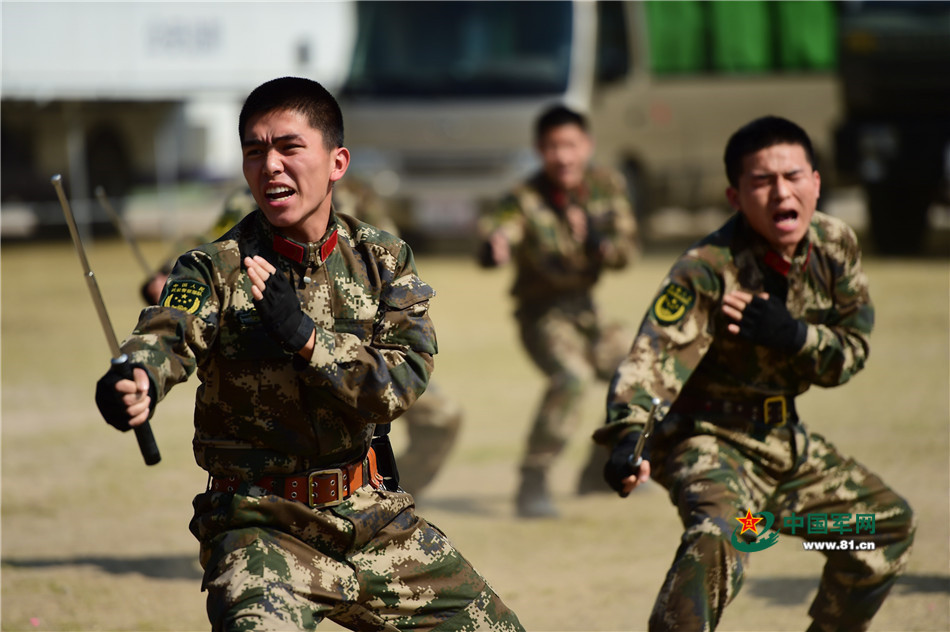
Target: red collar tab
x=290, y=249
x=299, y=253
x=561, y=198
x=778, y=263
x=327, y=248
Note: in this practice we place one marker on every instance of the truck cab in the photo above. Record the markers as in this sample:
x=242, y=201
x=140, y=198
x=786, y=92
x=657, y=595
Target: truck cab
x=441, y=97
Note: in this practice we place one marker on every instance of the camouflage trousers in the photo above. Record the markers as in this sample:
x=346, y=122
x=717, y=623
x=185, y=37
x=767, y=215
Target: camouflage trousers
x=367, y=564
x=716, y=475
x=433, y=424
x=573, y=350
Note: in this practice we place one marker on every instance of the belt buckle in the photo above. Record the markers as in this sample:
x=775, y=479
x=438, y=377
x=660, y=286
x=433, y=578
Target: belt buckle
x=767, y=406
x=338, y=483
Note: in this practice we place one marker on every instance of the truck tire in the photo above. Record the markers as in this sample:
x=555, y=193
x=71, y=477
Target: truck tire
x=637, y=191
x=898, y=218
x=108, y=166
x=108, y=162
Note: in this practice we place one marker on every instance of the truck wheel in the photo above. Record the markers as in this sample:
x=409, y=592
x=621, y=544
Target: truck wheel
x=898, y=218
x=637, y=192
x=108, y=167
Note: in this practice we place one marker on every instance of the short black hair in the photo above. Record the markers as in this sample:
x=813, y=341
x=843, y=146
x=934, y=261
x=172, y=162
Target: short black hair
x=556, y=116
x=299, y=95
x=759, y=134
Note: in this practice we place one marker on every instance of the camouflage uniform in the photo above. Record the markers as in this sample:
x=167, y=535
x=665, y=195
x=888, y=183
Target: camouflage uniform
x=262, y=414
x=433, y=422
x=722, y=449
x=556, y=274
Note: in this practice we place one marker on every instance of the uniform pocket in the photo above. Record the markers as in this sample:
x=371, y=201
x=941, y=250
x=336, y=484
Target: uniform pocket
x=362, y=329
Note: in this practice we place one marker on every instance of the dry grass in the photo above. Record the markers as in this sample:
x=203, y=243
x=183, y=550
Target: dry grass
x=94, y=540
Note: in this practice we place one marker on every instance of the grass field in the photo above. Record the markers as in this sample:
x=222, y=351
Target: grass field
x=92, y=539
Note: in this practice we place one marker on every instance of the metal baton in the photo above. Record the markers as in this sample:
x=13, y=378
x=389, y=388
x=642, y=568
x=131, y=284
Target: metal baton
x=636, y=457
x=143, y=432
x=119, y=223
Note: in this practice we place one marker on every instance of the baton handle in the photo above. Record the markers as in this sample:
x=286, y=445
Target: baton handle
x=143, y=432
x=147, y=445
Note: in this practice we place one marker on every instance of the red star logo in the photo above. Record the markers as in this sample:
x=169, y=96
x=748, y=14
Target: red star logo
x=749, y=522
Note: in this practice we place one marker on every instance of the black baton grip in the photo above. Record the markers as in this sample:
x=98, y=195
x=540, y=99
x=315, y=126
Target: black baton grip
x=143, y=432
x=147, y=444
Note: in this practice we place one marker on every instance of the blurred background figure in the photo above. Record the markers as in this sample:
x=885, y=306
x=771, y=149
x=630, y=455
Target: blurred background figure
x=238, y=204
x=562, y=228
x=434, y=420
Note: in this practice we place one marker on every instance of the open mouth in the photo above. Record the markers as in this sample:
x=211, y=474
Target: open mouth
x=785, y=218
x=278, y=193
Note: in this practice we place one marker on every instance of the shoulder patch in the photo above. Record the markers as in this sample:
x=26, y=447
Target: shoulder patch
x=673, y=303
x=188, y=296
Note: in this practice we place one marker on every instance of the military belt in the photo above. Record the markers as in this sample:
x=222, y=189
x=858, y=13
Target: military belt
x=315, y=488
x=775, y=411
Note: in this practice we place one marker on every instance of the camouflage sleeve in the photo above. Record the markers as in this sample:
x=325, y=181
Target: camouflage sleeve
x=673, y=338
x=381, y=379
x=615, y=225
x=838, y=347
x=173, y=337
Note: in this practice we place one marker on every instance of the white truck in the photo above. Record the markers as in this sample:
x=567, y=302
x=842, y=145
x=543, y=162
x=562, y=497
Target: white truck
x=128, y=94
x=441, y=97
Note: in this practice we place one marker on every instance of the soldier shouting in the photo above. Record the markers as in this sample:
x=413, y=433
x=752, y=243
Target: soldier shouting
x=746, y=320
x=309, y=331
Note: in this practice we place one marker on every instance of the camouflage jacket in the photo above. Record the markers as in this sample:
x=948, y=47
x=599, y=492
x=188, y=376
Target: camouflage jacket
x=684, y=350
x=262, y=410
x=550, y=262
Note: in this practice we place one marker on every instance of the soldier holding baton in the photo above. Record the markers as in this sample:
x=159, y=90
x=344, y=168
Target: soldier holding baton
x=746, y=320
x=310, y=333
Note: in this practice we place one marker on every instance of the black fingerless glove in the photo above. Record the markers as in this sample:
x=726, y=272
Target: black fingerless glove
x=768, y=323
x=147, y=298
x=282, y=315
x=143, y=292
x=109, y=400
x=620, y=464
x=595, y=240
x=485, y=256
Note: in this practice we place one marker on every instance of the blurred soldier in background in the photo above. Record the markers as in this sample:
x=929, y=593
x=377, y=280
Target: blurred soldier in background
x=748, y=319
x=562, y=227
x=310, y=333
x=433, y=422
x=238, y=204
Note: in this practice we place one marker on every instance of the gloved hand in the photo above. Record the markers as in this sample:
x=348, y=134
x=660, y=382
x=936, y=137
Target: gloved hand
x=767, y=322
x=282, y=315
x=620, y=464
x=485, y=256
x=152, y=287
x=109, y=400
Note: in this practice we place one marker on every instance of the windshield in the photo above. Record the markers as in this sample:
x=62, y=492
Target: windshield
x=436, y=49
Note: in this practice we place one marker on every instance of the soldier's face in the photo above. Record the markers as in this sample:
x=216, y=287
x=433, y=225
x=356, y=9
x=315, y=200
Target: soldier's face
x=565, y=151
x=290, y=172
x=777, y=193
